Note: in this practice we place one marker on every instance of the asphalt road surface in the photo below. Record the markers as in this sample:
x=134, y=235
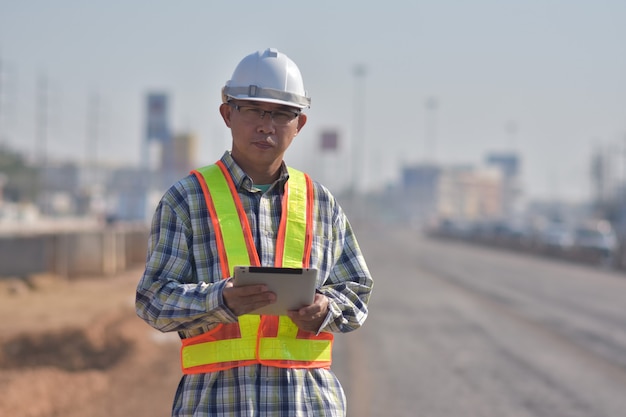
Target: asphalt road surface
x=464, y=330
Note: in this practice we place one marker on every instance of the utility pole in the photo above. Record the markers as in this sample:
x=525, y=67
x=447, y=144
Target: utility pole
x=358, y=135
x=2, y=92
x=8, y=86
x=91, y=142
x=41, y=150
x=93, y=129
x=431, y=128
x=358, y=140
x=512, y=129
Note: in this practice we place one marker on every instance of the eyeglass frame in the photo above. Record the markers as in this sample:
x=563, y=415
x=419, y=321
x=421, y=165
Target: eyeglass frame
x=263, y=112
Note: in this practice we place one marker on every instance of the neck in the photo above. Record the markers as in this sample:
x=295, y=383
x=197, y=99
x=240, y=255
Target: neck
x=263, y=176
x=260, y=173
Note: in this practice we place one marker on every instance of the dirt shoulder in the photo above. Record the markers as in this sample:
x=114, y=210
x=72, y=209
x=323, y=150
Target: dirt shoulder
x=76, y=348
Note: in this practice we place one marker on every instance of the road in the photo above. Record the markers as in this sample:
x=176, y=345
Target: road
x=462, y=330
x=454, y=330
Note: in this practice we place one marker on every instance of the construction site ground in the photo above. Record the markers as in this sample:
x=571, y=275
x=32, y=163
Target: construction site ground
x=76, y=348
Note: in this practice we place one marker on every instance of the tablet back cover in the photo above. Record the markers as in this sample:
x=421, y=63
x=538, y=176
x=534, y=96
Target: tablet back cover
x=294, y=287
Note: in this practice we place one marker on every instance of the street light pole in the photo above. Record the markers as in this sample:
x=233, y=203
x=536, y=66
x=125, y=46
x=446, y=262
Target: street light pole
x=431, y=128
x=41, y=150
x=512, y=129
x=1, y=109
x=358, y=131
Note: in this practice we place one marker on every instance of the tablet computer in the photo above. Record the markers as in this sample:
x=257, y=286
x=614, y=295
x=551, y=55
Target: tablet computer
x=294, y=287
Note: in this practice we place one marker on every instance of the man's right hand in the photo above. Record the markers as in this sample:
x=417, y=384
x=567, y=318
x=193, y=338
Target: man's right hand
x=246, y=298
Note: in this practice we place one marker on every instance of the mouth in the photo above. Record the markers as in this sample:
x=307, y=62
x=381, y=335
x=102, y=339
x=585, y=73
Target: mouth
x=265, y=143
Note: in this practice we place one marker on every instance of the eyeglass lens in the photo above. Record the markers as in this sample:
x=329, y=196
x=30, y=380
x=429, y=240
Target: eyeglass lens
x=253, y=114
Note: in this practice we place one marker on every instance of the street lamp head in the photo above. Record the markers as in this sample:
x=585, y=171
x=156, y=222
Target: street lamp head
x=360, y=70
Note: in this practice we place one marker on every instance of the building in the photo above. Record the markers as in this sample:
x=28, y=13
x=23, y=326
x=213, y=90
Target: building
x=509, y=163
x=419, y=184
x=180, y=157
x=470, y=194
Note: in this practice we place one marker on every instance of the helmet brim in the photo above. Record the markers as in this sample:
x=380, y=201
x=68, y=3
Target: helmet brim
x=265, y=95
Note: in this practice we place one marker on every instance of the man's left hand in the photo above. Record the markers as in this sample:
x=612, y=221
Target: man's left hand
x=311, y=317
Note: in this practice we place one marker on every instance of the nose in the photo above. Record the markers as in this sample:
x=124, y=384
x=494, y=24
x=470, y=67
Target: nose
x=266, y=125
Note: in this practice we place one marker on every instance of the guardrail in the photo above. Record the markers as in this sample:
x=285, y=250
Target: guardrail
x=608, y=260
x=98, y=251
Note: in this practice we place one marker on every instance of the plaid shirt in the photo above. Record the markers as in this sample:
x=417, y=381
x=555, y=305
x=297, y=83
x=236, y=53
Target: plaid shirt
x=181, y=291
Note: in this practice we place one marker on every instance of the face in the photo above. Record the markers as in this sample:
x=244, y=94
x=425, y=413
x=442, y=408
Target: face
x=259, y=142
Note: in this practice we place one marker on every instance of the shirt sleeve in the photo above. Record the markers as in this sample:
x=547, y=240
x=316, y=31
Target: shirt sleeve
x=169, y=296
x=349, y=284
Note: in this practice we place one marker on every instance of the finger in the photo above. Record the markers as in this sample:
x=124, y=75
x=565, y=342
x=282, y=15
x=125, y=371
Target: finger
x=253, y=302
x=262, y=298
x=314, y=310
x=246, y=290
x=242, y=300
x=256, y=305
x=308, y=325
x=299, y=317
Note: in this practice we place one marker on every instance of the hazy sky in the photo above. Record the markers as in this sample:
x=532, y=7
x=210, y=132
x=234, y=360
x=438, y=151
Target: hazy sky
x=546, y=78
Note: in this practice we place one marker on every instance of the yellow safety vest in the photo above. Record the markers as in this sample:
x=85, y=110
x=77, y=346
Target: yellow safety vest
x=269, y=340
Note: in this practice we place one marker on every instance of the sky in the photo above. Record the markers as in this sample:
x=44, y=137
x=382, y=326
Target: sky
x=444, y=81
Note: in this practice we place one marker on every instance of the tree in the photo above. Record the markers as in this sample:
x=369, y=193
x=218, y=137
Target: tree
x=22, y=179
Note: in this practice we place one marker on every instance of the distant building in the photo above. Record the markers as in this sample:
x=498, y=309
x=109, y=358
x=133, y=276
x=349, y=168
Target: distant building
x=63, y=177
x=420, y=185
x=157, y=117
x=463, y=193
x=58, y=186
x=604, y=185
x=106, y=191
x=179, y=158
x=157, y=137
x=3, y=181
x=470, y=194
x=509, y=163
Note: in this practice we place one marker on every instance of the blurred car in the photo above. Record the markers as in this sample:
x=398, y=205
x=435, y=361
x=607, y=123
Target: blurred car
x=595, y=241
x=449, y=228
x=556, y=239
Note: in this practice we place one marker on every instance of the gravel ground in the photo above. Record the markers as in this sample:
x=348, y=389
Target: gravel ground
x=76, y=348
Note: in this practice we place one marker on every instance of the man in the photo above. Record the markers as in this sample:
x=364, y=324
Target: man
x=251, y=209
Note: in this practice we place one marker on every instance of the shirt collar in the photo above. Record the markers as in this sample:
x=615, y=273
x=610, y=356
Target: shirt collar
x=242, y=180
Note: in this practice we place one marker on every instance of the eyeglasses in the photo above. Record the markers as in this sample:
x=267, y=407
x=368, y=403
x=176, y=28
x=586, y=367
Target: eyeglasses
x=254, y=114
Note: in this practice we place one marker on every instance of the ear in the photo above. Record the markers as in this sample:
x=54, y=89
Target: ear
x=226, y=111
x=301, y=122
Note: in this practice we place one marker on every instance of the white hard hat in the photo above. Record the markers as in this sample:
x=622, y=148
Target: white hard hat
x=268, y=76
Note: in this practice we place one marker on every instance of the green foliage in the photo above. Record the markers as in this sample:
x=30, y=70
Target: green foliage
x=21, y=180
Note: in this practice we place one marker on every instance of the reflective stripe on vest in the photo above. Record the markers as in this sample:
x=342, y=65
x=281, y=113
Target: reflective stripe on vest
x=270, y=340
